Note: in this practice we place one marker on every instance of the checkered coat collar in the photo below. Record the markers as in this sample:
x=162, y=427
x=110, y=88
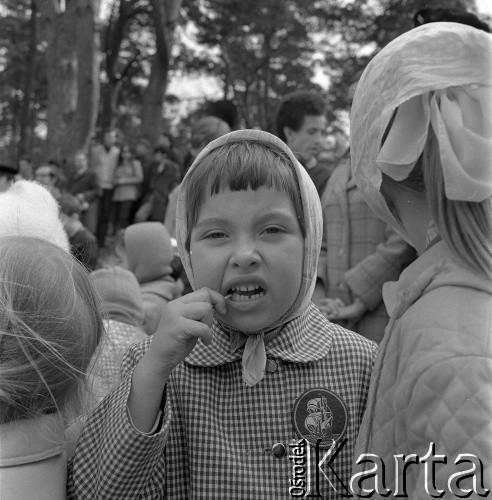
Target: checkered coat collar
x=301, y=340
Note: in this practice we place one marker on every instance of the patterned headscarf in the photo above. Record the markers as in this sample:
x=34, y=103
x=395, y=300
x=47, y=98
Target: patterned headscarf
x=254, y=351
x=438, y=75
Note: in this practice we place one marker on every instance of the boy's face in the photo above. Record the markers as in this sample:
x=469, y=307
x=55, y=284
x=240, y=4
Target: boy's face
x=249, y=244
x=307, y=142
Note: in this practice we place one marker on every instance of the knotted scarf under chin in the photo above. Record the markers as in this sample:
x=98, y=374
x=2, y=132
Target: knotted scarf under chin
x=254, y=353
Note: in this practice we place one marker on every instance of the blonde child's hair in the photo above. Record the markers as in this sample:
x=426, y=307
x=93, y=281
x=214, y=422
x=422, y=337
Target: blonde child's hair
x=238, y=166
x=465, y=226
x=50, y=327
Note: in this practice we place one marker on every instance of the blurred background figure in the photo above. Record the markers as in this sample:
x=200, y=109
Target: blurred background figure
x=83, y=244
x=104, y=159
x=120, y=303
x=166, y=140
x=49, y=175
x=301, y=124
x=127, y=181
x=84, y=185
x=359, y=253
x=149, y=255
x=224, y=109
x=165, y=176
x=205, y=130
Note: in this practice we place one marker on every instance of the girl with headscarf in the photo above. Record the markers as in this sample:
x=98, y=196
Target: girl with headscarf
x=421, y=154
x=270, y=372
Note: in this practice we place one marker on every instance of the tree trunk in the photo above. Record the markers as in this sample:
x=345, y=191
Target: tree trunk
x=112, y=41
x=165, y=15
x=60, y=73
x=83, y=124
x=72, y=73
x=28, y=84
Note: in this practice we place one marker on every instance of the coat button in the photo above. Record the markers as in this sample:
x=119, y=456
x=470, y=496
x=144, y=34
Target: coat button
x=278, y=450
x=271, y=366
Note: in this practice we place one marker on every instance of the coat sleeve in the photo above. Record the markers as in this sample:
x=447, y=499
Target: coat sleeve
x=449, y=414
x=112, y=458
x=366, y=279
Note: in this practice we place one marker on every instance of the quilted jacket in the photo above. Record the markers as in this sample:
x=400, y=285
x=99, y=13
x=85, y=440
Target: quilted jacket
x=436, y=384
x=33, y=460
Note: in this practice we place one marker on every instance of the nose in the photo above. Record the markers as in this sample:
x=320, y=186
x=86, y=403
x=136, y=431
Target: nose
x=245, y=256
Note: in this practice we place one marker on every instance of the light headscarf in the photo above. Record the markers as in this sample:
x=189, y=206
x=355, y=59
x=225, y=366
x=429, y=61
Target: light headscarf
x=254, y=356
x=438, y=75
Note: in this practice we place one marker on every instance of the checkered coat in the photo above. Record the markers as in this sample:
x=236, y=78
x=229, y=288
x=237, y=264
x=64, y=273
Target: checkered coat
x=360, y=251
x=220, y=438
x=217, y=434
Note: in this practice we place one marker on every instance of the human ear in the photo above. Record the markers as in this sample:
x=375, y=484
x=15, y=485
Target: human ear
x=288, y=133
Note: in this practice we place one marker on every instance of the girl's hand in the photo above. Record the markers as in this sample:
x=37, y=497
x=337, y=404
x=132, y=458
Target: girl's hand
x=183, y=322
x=335, y=310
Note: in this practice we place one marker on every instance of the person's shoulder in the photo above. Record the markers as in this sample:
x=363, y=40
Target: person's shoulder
x=349, y=341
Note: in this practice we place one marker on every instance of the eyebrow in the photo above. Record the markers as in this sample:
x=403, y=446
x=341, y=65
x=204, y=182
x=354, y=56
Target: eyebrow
x=211, y=221
x=222, y=221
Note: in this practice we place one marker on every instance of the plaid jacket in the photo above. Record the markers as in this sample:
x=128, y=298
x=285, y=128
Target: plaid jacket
x=360, y=251
x=217, y=435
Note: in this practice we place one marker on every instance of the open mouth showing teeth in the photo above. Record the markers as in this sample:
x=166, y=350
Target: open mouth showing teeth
x=245, y=292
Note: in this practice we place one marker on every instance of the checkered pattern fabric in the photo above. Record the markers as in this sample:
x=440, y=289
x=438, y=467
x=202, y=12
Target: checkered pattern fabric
x=217, y=433
x=105, y=372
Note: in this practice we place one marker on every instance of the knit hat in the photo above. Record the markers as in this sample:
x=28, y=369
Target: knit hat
x=149, y=251
x=119, y=293
x=28, y=209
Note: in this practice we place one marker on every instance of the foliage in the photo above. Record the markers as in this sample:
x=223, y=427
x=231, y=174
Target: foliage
x=260, y=51
x=15, y=68
x=257, y=51
x=354, y=32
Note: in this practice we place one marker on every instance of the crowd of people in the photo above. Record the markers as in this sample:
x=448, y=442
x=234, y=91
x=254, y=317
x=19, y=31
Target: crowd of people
x=274, y=324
